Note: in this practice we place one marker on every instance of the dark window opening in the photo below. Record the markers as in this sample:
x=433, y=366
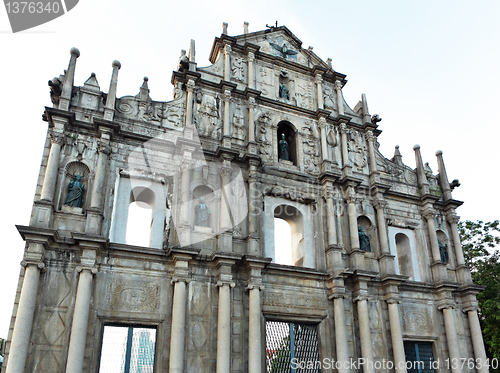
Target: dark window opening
x=291, y=348
x=419, y=357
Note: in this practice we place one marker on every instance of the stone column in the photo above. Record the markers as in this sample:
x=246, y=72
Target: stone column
x=227, y=62
x=100, y=174
x=382, y=229
x=225, y=229
x=50, y=179
x=353, y=222
x=453, y=220
x=324, y=144
x=340, y=99
x=189, y=102
x=226, y=118
x=451, y=338
x=431, y=226
x=184, y=192
x=109, y=110
x=371, y=151
x=319, y=90
x=396, y=336
x=477, y=339
x=330, y=214
x=254, y=332
x=341, y=333
x=254, y=210
x=344, y=149
x=251, y=121
x=365, y=334
x=225, y=284
x=251, y=70
x=24, y=317
x=76, y=350
x=178, y=326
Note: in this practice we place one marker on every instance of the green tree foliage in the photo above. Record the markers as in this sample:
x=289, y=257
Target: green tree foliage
x=480, y=243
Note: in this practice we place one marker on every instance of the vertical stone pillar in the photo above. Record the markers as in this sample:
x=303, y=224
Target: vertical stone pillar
x=226, y=225
x=184, y=192
x=24, y=316
x=109, y=110
x=189, y=102
x=477, y=339
x=178, y=333
x=227, y=62
x=226, y=124
x=251, y=70
x=319, y=90
x=69, y=78
x=100, y=174
x=332, y=227
x=50, y=179
x=464, y=275
x=345, y=151
x=451, y=337
x=254, y=210
x=396, y=336
x=324, y=144
x=341, y=333
x=382, y=229
x=225, y=284
x=251, y=121
x=443, y=177
x=340, y=99
x=365, y=334
x=429, y=215
x=353, y=222
x=423, y=184
x=371, y=151
x=76, y=350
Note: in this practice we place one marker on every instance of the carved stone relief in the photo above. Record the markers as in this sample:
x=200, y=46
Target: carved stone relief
x=237, y=69
x=304, y=94
x=265, y=81
x=311, y=154
x=417, y=318
x=132, y=296
x=357, y=150
x=329, y=98
x=208, y=119
x=238, y=124
x=264, y=137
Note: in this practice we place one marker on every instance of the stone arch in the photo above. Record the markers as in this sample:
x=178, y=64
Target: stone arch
x=296, y=221
x=290, y=131
x=208, y=195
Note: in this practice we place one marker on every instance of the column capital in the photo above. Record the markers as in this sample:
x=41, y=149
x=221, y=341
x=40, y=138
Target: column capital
x=447, y=305
x=369, y=135
x=92, y=270
x=322, y=121
x=39, y=264
x=351, y=195
x=103, y=148
x=429, y=214
x=227, y=48
x=185, y=279
x=379, y=204
x=343, y=128
x=225, y=172
x=474, y=307
x=318, y=78
x=327, y=192
x=338, y=296
x=56, y=138
x=251, y=56
x=360, y=298
x=252, y=285
x=190, y=85
x=393, y=301
x=221, y=283
x=338, y=85
x=227, y=95
x=452, y=217
x=251, y=102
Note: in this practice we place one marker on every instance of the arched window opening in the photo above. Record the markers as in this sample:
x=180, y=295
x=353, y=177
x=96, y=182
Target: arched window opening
x=283, y=241
x=295, y=221
x=286, y=143
x=140, y=217
x=403, y=249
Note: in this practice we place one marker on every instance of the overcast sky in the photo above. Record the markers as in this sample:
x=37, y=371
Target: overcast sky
x=430, y=69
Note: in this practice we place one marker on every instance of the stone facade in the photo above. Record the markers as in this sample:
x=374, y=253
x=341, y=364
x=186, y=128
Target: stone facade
x=376, y=252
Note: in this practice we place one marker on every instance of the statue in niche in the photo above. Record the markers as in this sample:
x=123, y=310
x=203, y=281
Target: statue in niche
x=364, y=241
x=283, y=150
x=202, y=213
x=443, y=252
x=284, y=93
x=75, y=194
x=183, y=62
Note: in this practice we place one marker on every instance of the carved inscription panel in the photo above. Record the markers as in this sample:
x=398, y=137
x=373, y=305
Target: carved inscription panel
x=132, y=296
x=417, y=318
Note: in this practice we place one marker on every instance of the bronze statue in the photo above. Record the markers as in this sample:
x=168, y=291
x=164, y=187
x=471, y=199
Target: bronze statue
x=284, y=93
x=75, y=194
x=283, y=152
x=364, y=241
x=443, y=252
x=183, y=62
x=285, y=52
x=202, y=213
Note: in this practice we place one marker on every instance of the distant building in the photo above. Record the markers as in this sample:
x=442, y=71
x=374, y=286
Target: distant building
x=263, y=133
